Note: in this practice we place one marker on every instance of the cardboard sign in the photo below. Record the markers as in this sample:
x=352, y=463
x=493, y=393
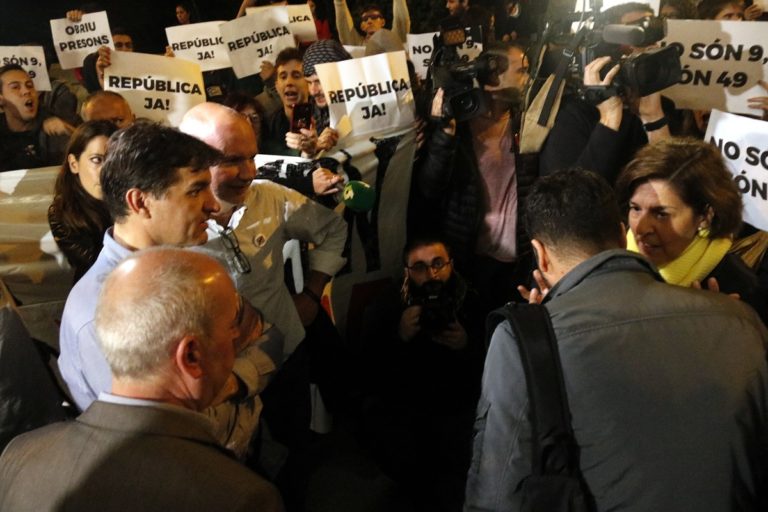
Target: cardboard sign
x=743, y=143
x=32, y=59
x=73, y=41
x=251, y=40
x=299, y=19
x=157, y=88
x=374, y=92
x=722, y=63
x=201, y=43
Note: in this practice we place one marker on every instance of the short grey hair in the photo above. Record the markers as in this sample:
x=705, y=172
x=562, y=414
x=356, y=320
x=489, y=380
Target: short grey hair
x=138, y=332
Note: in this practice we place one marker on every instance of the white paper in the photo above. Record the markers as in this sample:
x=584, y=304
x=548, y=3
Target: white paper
x=201, y=43
x=74, y=41
x=375, y=92
x=722, y=63
x=355, y=51
x=251, y=40
x=298, y=17
x=420, y=47
x=157, y=88
x=743, y=143
x=32, y=59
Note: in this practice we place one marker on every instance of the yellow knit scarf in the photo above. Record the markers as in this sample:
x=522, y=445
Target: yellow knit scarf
x=695, y=263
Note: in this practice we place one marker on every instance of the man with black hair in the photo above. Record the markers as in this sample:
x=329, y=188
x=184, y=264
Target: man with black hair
x=667, y=386
x=156, y=183
x=430, y=335
x=371, y=21
x=29, y=136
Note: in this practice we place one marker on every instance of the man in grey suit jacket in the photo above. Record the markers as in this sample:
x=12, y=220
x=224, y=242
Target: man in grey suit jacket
x=167, y=322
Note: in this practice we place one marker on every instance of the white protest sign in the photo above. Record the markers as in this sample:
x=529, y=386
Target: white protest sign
x=580, y=5
x=201, y=43
x=743, y=143
x=299, y=19
x=722, y=63
x=252, y=40
x=32, y=59
x=420, y=48
x=73, y=41
x=374, y=92
x=158, y=88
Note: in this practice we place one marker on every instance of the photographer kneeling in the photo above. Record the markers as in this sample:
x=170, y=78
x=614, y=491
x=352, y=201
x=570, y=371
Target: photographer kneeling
x=604, y=136
x=422, y=362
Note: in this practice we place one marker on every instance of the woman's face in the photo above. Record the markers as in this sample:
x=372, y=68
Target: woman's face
x=663, y=225
x=731, y=12
x=182, y=15
x=88, y=166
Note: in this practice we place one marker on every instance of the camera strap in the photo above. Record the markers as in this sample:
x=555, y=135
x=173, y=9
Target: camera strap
x=562, y=67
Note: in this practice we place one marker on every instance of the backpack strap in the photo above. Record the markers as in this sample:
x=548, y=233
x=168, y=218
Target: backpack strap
x=554, y=448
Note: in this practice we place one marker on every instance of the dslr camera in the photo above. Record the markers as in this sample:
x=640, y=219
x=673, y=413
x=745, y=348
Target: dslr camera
x=462, y=81
x=438, y=306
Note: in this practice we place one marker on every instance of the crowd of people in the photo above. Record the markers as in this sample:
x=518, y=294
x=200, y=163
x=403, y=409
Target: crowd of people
x=192, y=357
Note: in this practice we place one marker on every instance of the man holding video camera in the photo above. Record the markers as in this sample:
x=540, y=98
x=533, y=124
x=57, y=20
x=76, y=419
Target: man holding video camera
x=472, y=178
x=603, y=134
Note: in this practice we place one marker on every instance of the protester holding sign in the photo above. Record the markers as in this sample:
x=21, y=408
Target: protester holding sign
x=371, y=21
x=321, y=52
x=683, y=211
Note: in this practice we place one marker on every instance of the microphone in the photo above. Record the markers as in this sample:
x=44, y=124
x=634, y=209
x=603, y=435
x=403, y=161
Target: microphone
x=632, y=35
x=358, y=196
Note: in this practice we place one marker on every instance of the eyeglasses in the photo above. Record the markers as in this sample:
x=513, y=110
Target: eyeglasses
x=367, y=17
x=229, y=239
x=437, y=265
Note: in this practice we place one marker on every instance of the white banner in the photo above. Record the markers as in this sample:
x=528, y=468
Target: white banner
x=158, y=88
x=73, y=41
x=298, y=17
x=580, y=5
x=201, y=43
x=722, y=63
x=252, y=40
x=373, y=92
x=32, y=59
x=743, y=143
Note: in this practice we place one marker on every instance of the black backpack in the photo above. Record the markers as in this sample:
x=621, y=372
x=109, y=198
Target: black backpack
x=556, y=483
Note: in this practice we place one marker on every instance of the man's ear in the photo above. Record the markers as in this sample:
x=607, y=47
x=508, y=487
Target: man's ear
x=138, y=202
x=541, y=254
x=188, y=357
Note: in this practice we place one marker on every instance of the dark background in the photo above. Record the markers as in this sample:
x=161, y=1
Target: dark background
x=27, y=21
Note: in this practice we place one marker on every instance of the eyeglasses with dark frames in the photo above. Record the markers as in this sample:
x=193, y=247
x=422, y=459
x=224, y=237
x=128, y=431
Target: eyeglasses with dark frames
x=240, y=260
x=421, y=267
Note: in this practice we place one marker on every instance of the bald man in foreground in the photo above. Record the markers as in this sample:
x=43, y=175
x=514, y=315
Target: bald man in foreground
x=145, y=445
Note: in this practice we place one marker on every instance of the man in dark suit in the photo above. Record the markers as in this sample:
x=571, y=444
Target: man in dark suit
x=167, y=322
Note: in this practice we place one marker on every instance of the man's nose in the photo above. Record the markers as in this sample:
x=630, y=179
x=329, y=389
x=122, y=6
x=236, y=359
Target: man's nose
x=211, y=204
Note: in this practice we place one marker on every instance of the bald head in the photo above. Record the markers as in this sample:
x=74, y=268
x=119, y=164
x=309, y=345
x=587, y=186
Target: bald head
x=107, y=106
x=231, y=133
x=159, y=302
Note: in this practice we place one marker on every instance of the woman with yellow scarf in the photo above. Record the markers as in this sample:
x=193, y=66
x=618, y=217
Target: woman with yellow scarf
x=683, y=209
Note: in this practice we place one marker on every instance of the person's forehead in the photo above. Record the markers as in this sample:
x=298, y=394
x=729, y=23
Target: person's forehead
x=14, y=75
x=122, y=37
x=290, y=66
x=428, y=252
x=370, y=12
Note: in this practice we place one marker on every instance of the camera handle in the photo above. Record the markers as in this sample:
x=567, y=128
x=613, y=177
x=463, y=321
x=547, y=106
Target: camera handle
x=596, y=94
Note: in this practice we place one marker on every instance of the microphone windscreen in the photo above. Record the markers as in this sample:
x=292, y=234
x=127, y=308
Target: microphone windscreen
x=358, y=196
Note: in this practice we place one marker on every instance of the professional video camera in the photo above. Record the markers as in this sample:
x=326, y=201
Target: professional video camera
x=438, y=306
x=462, y=81
x=640, y=73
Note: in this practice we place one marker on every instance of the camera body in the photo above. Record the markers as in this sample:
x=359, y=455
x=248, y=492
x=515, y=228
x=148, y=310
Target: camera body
x=462, y=81
x=438, y=307
x=641, y=73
